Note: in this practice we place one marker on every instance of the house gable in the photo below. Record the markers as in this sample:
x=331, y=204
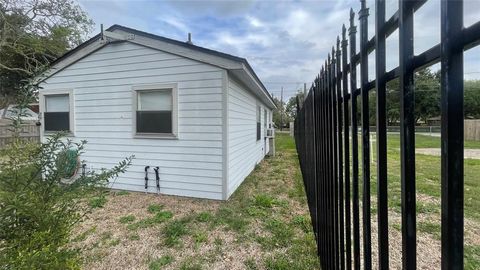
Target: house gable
x=238, y=66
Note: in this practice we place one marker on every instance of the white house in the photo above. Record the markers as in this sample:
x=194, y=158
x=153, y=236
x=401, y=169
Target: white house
x=199, y=115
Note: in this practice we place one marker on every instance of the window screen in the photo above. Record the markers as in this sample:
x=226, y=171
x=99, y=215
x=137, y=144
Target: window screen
x=57, y=113
x=154, y=111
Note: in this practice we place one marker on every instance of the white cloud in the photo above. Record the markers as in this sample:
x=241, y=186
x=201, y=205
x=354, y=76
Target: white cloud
x=285, y=41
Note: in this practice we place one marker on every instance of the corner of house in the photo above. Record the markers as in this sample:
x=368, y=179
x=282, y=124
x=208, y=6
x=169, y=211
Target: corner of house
x=225, y=131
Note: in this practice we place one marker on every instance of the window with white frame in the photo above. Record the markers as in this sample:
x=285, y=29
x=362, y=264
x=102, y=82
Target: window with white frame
x=57, y=112
x=155, y=111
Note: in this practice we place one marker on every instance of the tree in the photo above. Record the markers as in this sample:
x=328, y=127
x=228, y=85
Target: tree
x=427, y=95
x=32, y=34
x=472, y=99
x=280, y=117
x=291, y=107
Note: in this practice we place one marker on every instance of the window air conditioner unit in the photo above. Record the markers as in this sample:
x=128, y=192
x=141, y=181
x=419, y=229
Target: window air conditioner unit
x=270, y=133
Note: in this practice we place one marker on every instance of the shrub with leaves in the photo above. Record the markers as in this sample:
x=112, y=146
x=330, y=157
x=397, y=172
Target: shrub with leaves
x=38, y=206
x=38, y=209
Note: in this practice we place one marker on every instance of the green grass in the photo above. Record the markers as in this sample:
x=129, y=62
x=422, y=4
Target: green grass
x=425, y=141
x=122, y=193
x=281, y=234
x=159, y=263
x=204, y=217
x=126, y=219
x=155, y=208
x=264, y=200
x=472, y=257
x=97, y=202
x=174, y=231
x=428, y=176
x=156, y=219
x=431, y=228
x=428, y=183
x=268, y=211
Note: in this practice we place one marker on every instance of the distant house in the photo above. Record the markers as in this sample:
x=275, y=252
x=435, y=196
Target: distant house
x=199, y=115
x=27, y=114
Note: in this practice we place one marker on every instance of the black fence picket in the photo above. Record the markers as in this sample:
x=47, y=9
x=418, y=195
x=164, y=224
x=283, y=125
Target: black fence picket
x=326, y=128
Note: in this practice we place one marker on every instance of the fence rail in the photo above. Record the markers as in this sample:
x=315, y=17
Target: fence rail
x=323, y=138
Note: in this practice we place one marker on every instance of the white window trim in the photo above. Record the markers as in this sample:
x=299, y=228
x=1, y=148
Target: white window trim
x=258, y=117
x=42, y=109
x=150, y=87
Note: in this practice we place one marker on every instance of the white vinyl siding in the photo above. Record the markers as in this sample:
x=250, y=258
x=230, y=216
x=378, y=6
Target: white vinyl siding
x=244, y=150
x=191, y=164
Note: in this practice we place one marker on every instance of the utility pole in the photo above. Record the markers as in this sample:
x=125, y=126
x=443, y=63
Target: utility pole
x=281, y=110
x=304, y=91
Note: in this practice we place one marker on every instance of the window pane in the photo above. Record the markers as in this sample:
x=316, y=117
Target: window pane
x=57, y=103
x=158, y=100
x=258, y=132
x=57, y=121
x=154, y=121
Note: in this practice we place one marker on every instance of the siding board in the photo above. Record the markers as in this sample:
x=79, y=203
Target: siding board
x=244, y=150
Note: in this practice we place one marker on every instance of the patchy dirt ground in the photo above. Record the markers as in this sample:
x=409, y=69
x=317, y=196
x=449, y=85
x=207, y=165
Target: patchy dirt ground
x=265, y=225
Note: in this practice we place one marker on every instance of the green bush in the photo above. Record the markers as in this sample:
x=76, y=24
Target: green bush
x=38, y=209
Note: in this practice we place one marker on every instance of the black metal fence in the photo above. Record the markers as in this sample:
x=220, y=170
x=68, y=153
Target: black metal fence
x=328, y=114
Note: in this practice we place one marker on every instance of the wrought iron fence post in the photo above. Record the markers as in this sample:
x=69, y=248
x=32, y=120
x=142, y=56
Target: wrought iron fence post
x=381, y=132
x=407, y=134
x=452, y=134
x=346, y=127
x=353, y=100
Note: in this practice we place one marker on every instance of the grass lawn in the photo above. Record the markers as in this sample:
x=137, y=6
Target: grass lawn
x=428, y=177
x=264, y=225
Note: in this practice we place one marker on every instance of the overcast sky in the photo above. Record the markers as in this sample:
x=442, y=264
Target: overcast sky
x=285, y=41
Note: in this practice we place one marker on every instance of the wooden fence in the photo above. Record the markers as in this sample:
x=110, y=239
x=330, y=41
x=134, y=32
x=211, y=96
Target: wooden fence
x=28, y=132
x=472, y=130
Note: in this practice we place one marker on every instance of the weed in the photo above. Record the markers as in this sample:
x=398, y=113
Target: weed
x=190, y=264
x=158, y=218
x=84, y=235
x=281, y=232
x=430, y=228
x=114, y=242
x=250, y=264
x=303, y=222
x=126, y=219
x=233, y=220
x=277, y=262
x=218, y=241
x=97, y=202
x=200, y=237
x=264, y=200
x=160, y=262
x=397, y=226
x=204, y=217
x=427, y=208
x=105, y=236
x=472, y=257
x=133, y=237
x=122, y=193
x=174, y=231
x=155, y=208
